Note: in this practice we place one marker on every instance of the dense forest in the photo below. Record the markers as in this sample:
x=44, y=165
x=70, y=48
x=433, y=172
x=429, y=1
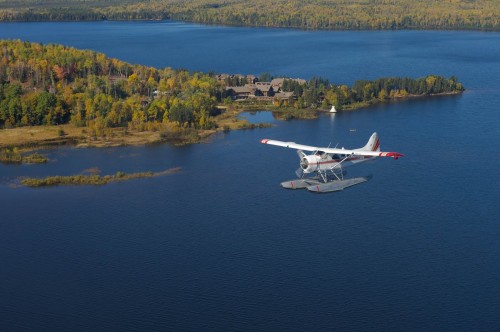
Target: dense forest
x=304, y=14
x=53, y=84
x=320, y=93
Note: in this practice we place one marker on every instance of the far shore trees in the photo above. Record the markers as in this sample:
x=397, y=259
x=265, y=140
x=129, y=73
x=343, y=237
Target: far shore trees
x=302, y=14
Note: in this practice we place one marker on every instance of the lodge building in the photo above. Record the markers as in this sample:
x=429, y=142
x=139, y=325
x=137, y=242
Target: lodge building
x=262, y=90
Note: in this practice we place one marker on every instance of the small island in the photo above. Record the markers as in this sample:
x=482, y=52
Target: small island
x=52, y=94
x=14, y=156
x=92, y=179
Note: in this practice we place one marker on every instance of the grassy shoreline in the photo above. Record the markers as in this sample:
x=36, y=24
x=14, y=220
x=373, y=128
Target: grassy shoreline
x=30, y=138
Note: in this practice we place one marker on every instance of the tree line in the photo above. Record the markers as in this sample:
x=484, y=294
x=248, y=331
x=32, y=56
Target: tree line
x=53, y=84
x=319, y=92
x=303, y=14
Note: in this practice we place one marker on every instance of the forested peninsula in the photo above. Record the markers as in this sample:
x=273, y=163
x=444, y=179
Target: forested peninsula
x=51, y=94
x=302, y=14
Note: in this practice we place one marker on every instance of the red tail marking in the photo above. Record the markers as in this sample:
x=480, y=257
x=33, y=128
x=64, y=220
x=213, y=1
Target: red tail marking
x=377, y=144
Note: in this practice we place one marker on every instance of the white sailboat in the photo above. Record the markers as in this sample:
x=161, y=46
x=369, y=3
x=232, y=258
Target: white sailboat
x=333, y=110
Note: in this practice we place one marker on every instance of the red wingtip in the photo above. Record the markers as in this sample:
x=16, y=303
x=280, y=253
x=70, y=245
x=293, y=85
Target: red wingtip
x=395, y=155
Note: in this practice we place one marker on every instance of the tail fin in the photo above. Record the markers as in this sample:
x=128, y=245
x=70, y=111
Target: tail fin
x=373, y=143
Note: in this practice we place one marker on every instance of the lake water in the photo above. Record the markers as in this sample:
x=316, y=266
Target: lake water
x=220, y=246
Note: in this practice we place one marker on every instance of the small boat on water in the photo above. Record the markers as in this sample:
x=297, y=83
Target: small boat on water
x=333, y=110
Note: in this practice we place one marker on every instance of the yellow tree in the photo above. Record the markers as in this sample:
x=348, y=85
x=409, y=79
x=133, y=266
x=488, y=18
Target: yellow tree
x=133, y=83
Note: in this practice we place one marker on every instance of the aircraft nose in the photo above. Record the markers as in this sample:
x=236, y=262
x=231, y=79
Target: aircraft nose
x=304, y=163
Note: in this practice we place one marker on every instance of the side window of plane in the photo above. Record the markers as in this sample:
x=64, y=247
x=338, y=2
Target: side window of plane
x=322, y=154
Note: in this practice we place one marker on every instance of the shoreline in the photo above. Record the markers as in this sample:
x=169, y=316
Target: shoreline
x=32, y=138
x=373, y=102
x=228, y=25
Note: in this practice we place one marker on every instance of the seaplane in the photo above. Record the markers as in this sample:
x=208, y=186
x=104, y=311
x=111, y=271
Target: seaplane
x=323, y=170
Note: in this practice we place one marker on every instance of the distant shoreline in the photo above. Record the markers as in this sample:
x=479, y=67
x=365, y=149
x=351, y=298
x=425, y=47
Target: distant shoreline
x=425, y=28
x=335, y=15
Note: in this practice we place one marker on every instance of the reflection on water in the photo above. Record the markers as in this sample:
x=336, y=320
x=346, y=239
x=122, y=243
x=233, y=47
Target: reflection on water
x=258, y=117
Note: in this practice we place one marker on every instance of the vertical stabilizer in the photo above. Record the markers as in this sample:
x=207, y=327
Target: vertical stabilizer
x=373, y=143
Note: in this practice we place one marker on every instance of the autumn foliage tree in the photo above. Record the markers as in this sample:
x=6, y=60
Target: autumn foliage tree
x=53, y=84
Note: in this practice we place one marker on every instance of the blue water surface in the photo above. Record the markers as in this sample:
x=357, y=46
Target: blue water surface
x=220, y=246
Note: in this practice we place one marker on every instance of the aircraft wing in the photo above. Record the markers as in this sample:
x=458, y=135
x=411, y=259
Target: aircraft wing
x=291, y=145
x=357, y=152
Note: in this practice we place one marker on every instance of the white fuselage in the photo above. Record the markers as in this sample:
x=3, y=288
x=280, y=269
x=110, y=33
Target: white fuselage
x=321, y=161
